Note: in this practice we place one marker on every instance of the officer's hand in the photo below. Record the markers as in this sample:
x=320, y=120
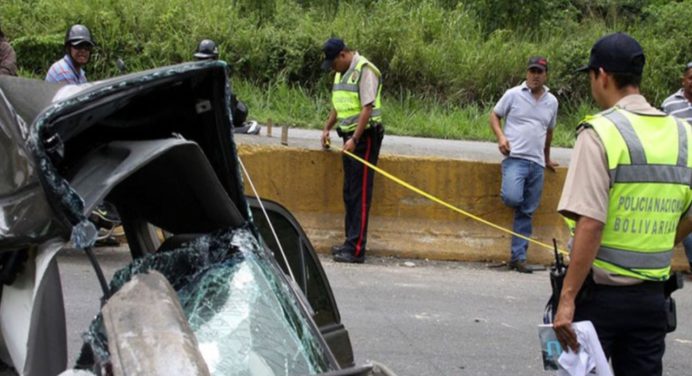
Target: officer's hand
x=563, y=325
x=349, y=145
x=325, y=139
x=550, y=165
x=503, y=145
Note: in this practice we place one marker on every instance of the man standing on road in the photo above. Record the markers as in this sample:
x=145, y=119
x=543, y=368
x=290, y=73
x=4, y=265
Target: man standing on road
x=680, y=105
x=357, y=113
x=8, y=59
x=78, y=45
x=530, y=113
x=628, y=189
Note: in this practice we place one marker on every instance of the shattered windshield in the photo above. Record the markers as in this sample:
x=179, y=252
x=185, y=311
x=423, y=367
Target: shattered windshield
x=245, y=318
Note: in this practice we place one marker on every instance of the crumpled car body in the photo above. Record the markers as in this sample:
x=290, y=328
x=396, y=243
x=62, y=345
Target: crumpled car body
x=158, y=146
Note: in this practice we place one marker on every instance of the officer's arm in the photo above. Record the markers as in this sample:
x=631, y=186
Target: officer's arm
x=684, y=228
x=331, y=120
x=363, y=119
x=587, y=240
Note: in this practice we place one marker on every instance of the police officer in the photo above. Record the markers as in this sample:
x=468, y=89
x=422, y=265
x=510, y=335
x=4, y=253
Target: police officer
x=357, y=115
x=78, y=46
x=627, y=187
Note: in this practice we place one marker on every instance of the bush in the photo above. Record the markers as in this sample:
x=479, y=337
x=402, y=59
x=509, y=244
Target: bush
x=452, y=52
x=38, y=52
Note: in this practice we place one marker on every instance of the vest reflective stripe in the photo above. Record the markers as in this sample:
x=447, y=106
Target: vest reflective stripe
x=634, y=146
x=651, y=174
x=346, y=97
x=634, y=260
x=682, y=144
x=346, y=87
x=649, y=191
x=353, y=119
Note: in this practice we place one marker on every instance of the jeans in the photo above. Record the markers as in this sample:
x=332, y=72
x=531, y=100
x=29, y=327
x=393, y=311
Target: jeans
x=687, y=243
x=522, y=185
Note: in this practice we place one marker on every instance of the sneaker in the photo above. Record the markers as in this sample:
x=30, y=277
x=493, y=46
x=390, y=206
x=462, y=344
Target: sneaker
x=520, y=266
x=349, y=257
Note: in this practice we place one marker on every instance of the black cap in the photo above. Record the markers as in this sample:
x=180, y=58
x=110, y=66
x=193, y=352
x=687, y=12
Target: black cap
x=538, y=62
x=616, y=53
x=331, y=50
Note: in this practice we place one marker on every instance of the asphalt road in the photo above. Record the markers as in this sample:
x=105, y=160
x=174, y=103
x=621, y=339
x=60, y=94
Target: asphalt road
x=433, y=318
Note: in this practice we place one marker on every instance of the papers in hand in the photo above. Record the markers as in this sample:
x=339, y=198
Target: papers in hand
x=590, y=360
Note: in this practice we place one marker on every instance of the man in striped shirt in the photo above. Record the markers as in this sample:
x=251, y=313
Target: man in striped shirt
x=680, y=103
x=78, y=45
x=680, y=106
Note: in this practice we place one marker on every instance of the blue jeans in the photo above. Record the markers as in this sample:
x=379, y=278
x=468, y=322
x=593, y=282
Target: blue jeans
x=687, y=243
x=522, y=185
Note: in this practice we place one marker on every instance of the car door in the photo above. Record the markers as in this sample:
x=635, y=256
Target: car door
x=307, y=270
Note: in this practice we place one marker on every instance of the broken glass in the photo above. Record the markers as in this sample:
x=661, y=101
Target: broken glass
x=246, y=318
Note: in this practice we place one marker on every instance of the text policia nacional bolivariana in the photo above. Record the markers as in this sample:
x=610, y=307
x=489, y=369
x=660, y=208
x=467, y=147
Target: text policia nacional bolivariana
x=648, y=206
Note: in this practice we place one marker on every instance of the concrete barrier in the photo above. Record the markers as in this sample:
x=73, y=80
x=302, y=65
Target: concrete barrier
x=403, y=223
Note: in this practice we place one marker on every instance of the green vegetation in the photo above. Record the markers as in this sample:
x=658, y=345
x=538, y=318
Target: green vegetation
x=445, y=62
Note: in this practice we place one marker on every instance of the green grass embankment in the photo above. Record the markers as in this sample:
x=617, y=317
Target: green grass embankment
x=445, y=62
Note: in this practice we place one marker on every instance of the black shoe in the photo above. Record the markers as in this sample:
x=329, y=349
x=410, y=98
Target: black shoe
x=339, y=248
x=349, y=257
x=520, y=266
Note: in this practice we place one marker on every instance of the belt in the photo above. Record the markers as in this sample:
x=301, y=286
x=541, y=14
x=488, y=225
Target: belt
x=374, y=128
x=645, y=285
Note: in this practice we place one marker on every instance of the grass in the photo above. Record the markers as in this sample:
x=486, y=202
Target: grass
x=445, y=62
x=404, y=115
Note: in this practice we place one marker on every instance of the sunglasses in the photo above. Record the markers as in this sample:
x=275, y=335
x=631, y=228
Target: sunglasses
x=82, y=47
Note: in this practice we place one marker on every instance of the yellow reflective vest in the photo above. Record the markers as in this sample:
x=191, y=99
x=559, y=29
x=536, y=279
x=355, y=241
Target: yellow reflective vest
x=649, y=163
x=346, y=97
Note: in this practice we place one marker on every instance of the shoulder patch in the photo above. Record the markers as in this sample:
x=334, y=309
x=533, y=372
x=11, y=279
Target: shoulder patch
x=355, y=76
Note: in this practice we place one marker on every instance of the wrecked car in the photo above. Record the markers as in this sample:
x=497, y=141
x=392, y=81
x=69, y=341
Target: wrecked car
x=248, y=295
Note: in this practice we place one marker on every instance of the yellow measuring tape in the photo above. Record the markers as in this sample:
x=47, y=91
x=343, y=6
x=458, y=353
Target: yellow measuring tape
x=446, y=204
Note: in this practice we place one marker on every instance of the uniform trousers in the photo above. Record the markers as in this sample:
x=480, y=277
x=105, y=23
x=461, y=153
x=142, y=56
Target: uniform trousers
x=631, y=325
x=357, y=190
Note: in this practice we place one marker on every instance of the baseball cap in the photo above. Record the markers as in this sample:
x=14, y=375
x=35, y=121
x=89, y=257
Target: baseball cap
x=688, y=67
x=538, y=62
x=331, y=50
x=616, y=53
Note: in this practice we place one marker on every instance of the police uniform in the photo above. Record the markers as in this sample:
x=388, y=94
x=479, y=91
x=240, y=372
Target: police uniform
x=353, y=89
x=630, y=170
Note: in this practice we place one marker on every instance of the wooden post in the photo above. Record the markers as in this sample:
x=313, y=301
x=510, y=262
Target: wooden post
x=269, y=127
x=284, y=134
